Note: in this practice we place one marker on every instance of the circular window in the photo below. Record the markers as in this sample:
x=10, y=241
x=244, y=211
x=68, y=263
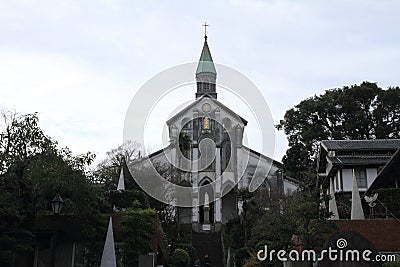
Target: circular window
x=206, y=107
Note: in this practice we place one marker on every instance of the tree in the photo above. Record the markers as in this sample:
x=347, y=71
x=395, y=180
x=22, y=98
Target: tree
x=362, y=111
x=107, y=171
x=300, y=215
x=106, y=175
x=138, y=230
x=32, y=170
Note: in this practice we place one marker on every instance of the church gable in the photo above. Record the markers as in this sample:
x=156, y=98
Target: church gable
x=204, y=106
x=206, y=155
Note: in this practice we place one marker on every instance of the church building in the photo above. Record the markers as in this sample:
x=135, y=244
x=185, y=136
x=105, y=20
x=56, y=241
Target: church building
x=206, y=148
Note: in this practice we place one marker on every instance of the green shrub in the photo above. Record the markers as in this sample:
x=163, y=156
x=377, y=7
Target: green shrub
x=390, y=197
x=180, y=258
x=391, y=264
x=190, y=250
x=137, y=231
x=241, y=255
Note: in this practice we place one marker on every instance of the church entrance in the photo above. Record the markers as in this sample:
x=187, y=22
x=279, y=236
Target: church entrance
x=206, y=212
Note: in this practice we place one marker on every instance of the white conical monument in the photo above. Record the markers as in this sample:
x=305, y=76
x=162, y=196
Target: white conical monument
x=108, y=258
x=332, y=202
x=357, y=212
x=121, y=181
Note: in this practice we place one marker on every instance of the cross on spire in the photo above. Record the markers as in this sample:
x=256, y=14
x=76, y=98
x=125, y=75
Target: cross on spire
x=205, y=25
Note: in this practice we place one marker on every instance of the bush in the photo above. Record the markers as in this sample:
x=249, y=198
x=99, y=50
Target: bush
x=253, y=261
x=180, y=258
x=391, y=264
x=190, y=250
x=241, y=255
x=233, y=234
x=137, y=231
x=390, y=197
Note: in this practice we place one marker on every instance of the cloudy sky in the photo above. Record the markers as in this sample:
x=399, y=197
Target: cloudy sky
x=79, y=63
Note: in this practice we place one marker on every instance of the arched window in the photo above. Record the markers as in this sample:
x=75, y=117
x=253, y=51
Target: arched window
x=225, y=154
x=226, y=122
x=185, y=123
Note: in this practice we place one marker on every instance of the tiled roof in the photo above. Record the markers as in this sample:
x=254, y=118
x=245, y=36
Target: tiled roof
x=383, y=233
x=360, y=160
x=361, y=144
x=388, y=174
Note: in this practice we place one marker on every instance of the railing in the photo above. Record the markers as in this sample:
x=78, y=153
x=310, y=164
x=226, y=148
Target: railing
x=382, y=211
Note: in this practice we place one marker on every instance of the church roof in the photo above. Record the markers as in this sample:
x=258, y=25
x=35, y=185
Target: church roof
x=258, y=154
x=206, y=62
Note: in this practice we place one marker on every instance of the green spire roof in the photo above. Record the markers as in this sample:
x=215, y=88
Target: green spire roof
x=206, y=63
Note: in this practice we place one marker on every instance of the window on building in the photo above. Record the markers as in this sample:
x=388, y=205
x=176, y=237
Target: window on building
x=361, y=177
x=337, y=184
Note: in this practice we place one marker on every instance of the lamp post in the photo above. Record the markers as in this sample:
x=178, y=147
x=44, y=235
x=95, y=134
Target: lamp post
x=57, y=204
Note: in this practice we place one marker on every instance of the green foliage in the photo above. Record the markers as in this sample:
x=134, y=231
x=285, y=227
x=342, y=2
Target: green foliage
x=390, y=198
x=391, y=264
x=344, y=205
x=275, y=230
x=241, y=255
x=253, y=261
x=125, y=198
x=138, y=226
x=179, y=234
x=108, y=170
x=244, y=195
x=180, y=258
x=233, y=234
x=188, y=247
x=310, y=219
x=32, y=171
x=362, y=111
x=13, y=238
x=298, y=214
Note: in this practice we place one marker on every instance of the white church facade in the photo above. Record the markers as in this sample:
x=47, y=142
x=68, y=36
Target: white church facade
x=206, y=148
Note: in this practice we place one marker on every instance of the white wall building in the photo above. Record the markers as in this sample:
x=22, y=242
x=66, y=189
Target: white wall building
x=341, y=161
x=206, y=128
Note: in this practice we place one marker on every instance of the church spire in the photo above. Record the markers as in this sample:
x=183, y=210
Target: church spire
x=206, y=73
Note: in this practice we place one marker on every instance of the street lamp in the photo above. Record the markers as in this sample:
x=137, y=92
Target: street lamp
x=57, y=204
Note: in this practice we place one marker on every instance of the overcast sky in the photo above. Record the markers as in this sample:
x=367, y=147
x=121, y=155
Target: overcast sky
x=79, y=63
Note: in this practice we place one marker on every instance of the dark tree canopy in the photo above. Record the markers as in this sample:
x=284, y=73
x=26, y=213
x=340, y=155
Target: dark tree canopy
x=363, y=111
x=32, y=170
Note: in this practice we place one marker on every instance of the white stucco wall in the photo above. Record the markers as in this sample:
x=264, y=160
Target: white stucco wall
x=348, y=178
x=371, y=175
